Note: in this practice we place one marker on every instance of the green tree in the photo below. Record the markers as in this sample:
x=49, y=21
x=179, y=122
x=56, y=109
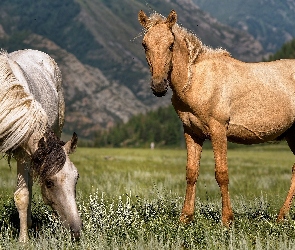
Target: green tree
x=162, y=127
x=286, y=52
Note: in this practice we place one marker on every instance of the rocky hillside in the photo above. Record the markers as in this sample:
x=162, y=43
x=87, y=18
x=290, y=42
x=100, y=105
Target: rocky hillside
x=97, y=44
x=270, y=22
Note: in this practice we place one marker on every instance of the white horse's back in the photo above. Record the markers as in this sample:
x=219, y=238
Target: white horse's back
x=41, y=77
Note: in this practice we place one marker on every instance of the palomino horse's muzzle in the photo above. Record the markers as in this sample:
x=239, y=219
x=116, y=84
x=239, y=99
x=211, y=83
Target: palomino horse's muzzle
x=159, y=87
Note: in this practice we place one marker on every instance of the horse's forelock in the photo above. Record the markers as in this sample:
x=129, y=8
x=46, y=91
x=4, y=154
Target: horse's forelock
x=155, y=19
x=50, y=158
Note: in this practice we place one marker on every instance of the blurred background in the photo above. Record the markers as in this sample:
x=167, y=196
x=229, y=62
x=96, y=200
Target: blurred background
x=97, y=44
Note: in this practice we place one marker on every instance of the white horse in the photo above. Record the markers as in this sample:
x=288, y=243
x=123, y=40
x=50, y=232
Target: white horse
x=31, y=121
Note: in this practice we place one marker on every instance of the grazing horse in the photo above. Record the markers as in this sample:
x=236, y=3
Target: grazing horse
x=31, y=120
x=219, y=98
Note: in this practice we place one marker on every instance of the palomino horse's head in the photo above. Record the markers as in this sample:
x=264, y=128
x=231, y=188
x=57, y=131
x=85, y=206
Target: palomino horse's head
x=158, y=45
x=58, y=177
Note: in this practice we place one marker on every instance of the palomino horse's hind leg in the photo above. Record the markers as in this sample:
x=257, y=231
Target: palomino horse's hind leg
x=219, y=144
x=287, y=204
x=194, y=149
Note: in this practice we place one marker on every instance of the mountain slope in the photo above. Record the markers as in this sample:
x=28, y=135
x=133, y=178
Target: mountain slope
x=270, y=22
x=97, y=44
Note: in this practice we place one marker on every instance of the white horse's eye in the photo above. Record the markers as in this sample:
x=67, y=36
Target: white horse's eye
x=49, y=183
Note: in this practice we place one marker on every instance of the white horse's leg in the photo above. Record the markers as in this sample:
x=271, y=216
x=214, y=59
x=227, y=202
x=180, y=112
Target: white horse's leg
x=22, y=197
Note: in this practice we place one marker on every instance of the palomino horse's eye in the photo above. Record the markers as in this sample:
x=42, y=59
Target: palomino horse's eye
x=171, y=46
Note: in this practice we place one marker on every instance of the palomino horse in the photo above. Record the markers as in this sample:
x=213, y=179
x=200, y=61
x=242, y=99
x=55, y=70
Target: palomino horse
x=31, y=120
x=219, y=98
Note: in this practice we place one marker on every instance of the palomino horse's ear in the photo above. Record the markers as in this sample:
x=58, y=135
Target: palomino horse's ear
x=171, y=19
x=71, y=145
x=143, y=19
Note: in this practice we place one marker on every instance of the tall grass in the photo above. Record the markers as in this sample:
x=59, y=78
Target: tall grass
x=132, y=198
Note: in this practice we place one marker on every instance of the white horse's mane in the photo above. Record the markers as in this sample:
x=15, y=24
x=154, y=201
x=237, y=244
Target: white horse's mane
x=20, y=114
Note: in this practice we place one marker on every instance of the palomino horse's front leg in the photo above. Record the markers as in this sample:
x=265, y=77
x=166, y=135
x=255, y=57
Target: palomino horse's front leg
x=219, y=144
x=287, y=204
x=22, y=198
x=194, y=150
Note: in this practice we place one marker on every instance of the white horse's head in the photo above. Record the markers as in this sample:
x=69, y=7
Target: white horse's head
x=58, y=177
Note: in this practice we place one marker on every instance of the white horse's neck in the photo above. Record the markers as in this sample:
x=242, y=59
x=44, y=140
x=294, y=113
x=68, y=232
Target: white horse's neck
x=31, y=144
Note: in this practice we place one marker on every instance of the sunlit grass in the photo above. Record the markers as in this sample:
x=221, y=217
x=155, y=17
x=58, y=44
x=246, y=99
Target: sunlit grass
x=132, y=198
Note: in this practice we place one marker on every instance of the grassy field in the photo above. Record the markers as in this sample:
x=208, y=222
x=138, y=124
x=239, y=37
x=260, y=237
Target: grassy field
x=132, y=198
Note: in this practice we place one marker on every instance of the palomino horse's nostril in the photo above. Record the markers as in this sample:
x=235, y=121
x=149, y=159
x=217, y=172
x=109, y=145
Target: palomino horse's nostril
x=159, y=87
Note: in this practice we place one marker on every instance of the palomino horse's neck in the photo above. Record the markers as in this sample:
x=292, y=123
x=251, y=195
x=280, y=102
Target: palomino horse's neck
x=180, y=77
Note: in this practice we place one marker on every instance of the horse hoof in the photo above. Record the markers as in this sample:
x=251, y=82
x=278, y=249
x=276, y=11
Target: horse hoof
x=227, y=222
x=23, y=239
x=282, y=217
x=185, y=219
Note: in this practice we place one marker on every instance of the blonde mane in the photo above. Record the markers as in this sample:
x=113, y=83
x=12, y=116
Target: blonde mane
x=195, y=46
x=20, y=114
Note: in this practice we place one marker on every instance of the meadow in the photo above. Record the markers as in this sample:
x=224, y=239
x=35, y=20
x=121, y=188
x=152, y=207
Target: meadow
x=132, y=198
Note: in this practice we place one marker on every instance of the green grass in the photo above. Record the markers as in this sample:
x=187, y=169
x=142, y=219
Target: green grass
x=132, y=198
